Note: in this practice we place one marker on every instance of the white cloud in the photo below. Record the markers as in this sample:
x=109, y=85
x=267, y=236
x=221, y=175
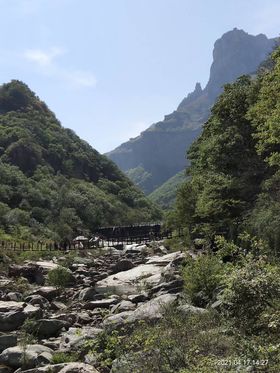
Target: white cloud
x=43, y=58
x=80, y=78
x=45, y=61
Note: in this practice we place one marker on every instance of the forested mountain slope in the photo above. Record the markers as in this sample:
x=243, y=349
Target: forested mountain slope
x=235, y=163
x=52, y=183
x=159, y=152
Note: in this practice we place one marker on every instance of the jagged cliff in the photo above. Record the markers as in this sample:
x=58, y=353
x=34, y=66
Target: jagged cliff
x=158, y=153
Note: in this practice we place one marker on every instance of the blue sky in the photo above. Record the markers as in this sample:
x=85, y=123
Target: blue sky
x=110, y=68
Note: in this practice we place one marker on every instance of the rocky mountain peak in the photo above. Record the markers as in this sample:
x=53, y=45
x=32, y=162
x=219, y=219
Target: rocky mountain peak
x=236, y=53
x=159, y=152
x=191, y=96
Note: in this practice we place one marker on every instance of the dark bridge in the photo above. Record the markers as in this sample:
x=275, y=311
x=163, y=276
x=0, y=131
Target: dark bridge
x=133, y=233
x=105, y=236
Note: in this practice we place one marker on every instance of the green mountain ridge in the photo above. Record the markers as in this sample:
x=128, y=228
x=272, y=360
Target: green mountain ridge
x=165, y=195
x=52, y=183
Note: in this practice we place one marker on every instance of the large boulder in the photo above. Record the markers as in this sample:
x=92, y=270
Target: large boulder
x=7, y=340
x=48, y=292
x=11, y=320
x=78, y=368
x=31, y=271
x=150, y=311
x=124, y=305
x=37, y=300
x=103, y=303
x=131, y=281
x=188, y=309
x=13, y=314
x=10, y=306
x=64, y=368
x=87, y=294
x=122, y=265
x=173, y=258
x=5, y=369
x=141, y=277
x=27, y=357
x=46, y=328
x=74, y=339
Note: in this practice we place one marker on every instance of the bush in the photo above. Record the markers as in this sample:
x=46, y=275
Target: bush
x=64, y=357
x=60, y=277
x=202, y=278
x=177, y=342
x=250, y=289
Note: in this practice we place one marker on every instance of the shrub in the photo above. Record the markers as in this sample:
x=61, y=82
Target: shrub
x=64, y=357
x=202, y=278
x=250, y=289
x=177, y=342
x=60, y=277
x=105, y=348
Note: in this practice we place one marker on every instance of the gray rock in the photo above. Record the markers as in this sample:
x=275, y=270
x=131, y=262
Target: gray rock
x=174, y=258
x=5, y=283
x=87, y=294
x=31, y=271
x=14, y=296
x=124, y=305
x=131, y=281
x=9, y=306
x=149, y=311
x=27, y=357
x=138, y=298
x=122, y=265
x=7, y=340
x=64, y=368
x=5, y=369
x=74, y=339
x=13, y=314
x=188, y=309
x=170, y=287
x=48, y=292
x=11, y=320
x=78, y=368
x=32, y=312
x=37, y=300
x=58, y=306
x=103, y=303
x=47, y=328
x=136, y=248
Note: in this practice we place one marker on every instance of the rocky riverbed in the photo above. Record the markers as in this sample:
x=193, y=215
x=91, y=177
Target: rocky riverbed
x=116, y=288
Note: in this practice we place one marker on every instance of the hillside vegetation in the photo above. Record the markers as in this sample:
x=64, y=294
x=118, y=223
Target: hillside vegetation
x=52, y=183
x=165, y=195
x=229, y=206
x=235, y=163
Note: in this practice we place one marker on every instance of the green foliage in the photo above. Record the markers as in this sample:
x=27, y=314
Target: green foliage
x=203, y=278
x=60, y=277
x=235, y=164
x=64, y=357
x=53, y=184
x=250, y=290
x=105, y=348
x=176, y=342
x=165, y=195
x=140, y=177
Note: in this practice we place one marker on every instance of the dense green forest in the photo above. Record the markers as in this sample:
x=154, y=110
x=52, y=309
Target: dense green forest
x=165, y=195
x=229, y=207
x=235, y=163
x=53, y=184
